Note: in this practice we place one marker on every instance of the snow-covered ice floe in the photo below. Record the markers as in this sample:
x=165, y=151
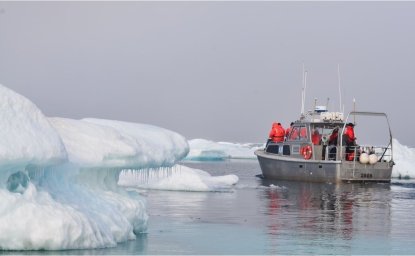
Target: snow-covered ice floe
x=178, y=177
x=206, y=150
x=59, y=177
x=404, y=158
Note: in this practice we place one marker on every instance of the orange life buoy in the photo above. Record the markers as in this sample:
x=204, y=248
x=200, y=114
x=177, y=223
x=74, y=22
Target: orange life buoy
x=307, y=152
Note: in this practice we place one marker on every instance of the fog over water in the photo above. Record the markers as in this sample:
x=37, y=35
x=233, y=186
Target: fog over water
x=217, y=70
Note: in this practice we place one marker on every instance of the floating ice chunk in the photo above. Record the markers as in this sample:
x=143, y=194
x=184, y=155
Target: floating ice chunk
x=205, y=150
x=276, y=187
x=178, y=177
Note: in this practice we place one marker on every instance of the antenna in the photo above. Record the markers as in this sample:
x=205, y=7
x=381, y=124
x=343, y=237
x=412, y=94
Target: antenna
x=305, y=88
x=302, y=95
x=327, y=104
x=340, y=92
x=354, y=110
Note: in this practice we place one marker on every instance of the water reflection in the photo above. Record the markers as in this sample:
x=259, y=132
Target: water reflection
x=314, y=212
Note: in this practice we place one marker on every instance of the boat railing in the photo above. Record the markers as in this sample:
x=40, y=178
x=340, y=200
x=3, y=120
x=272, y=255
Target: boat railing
x=352, y=153
x=383, y=153
x=334, y=152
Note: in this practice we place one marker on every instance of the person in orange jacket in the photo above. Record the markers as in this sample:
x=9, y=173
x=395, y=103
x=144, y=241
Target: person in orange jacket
x=303, y=133
x=333, y=140
x=287, y=132
x=277, y=133
x=350, y=141
x=349, y=137
x=316, y=137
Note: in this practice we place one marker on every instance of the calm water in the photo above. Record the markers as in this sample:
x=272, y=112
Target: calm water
x=260, y=217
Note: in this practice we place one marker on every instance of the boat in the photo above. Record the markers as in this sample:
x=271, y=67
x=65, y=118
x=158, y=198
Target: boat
x=302, y=158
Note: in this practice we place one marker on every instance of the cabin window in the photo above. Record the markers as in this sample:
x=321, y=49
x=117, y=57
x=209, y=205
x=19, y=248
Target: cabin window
x=325, y=133
x=316, y=135
x=286, y=150
x=303, y=133
x=298, y=133
x=272, y=148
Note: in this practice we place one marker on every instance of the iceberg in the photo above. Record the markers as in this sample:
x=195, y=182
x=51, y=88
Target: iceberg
x=59, y=177
x=206, y=150
x=404, y=158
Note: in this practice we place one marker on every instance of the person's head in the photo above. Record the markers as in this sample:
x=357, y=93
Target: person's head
x=350, y=125
x=292, y=123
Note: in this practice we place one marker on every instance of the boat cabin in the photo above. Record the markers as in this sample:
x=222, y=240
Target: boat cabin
x=316, y=141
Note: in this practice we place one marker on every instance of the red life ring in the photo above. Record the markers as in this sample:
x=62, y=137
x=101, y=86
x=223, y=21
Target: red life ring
x=306, y=151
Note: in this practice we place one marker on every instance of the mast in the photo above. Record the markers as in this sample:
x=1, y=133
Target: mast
x=354, y=110
x=302, y=96
x=340, y=92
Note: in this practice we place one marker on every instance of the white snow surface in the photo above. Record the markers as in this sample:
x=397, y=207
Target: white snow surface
x=179, y=177
x=206, y=150
x=58, y=177
x=154, y=146
x=109, y=143
x=26, y=136
x=404, y=158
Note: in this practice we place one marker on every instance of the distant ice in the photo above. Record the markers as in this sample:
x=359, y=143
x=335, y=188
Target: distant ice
x=404, y=158
x=206, y=150
x=178, y=177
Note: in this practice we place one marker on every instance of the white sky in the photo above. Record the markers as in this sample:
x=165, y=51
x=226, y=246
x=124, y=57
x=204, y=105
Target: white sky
x=217, y=70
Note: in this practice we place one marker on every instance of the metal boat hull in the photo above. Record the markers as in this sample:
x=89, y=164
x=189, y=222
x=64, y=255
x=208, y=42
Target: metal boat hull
x=289, y=168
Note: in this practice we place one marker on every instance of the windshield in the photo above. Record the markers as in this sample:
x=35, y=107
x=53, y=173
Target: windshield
x=326, y=133
x=298, y=133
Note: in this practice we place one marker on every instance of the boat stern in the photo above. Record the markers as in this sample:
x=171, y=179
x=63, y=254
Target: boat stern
x=356, y=171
